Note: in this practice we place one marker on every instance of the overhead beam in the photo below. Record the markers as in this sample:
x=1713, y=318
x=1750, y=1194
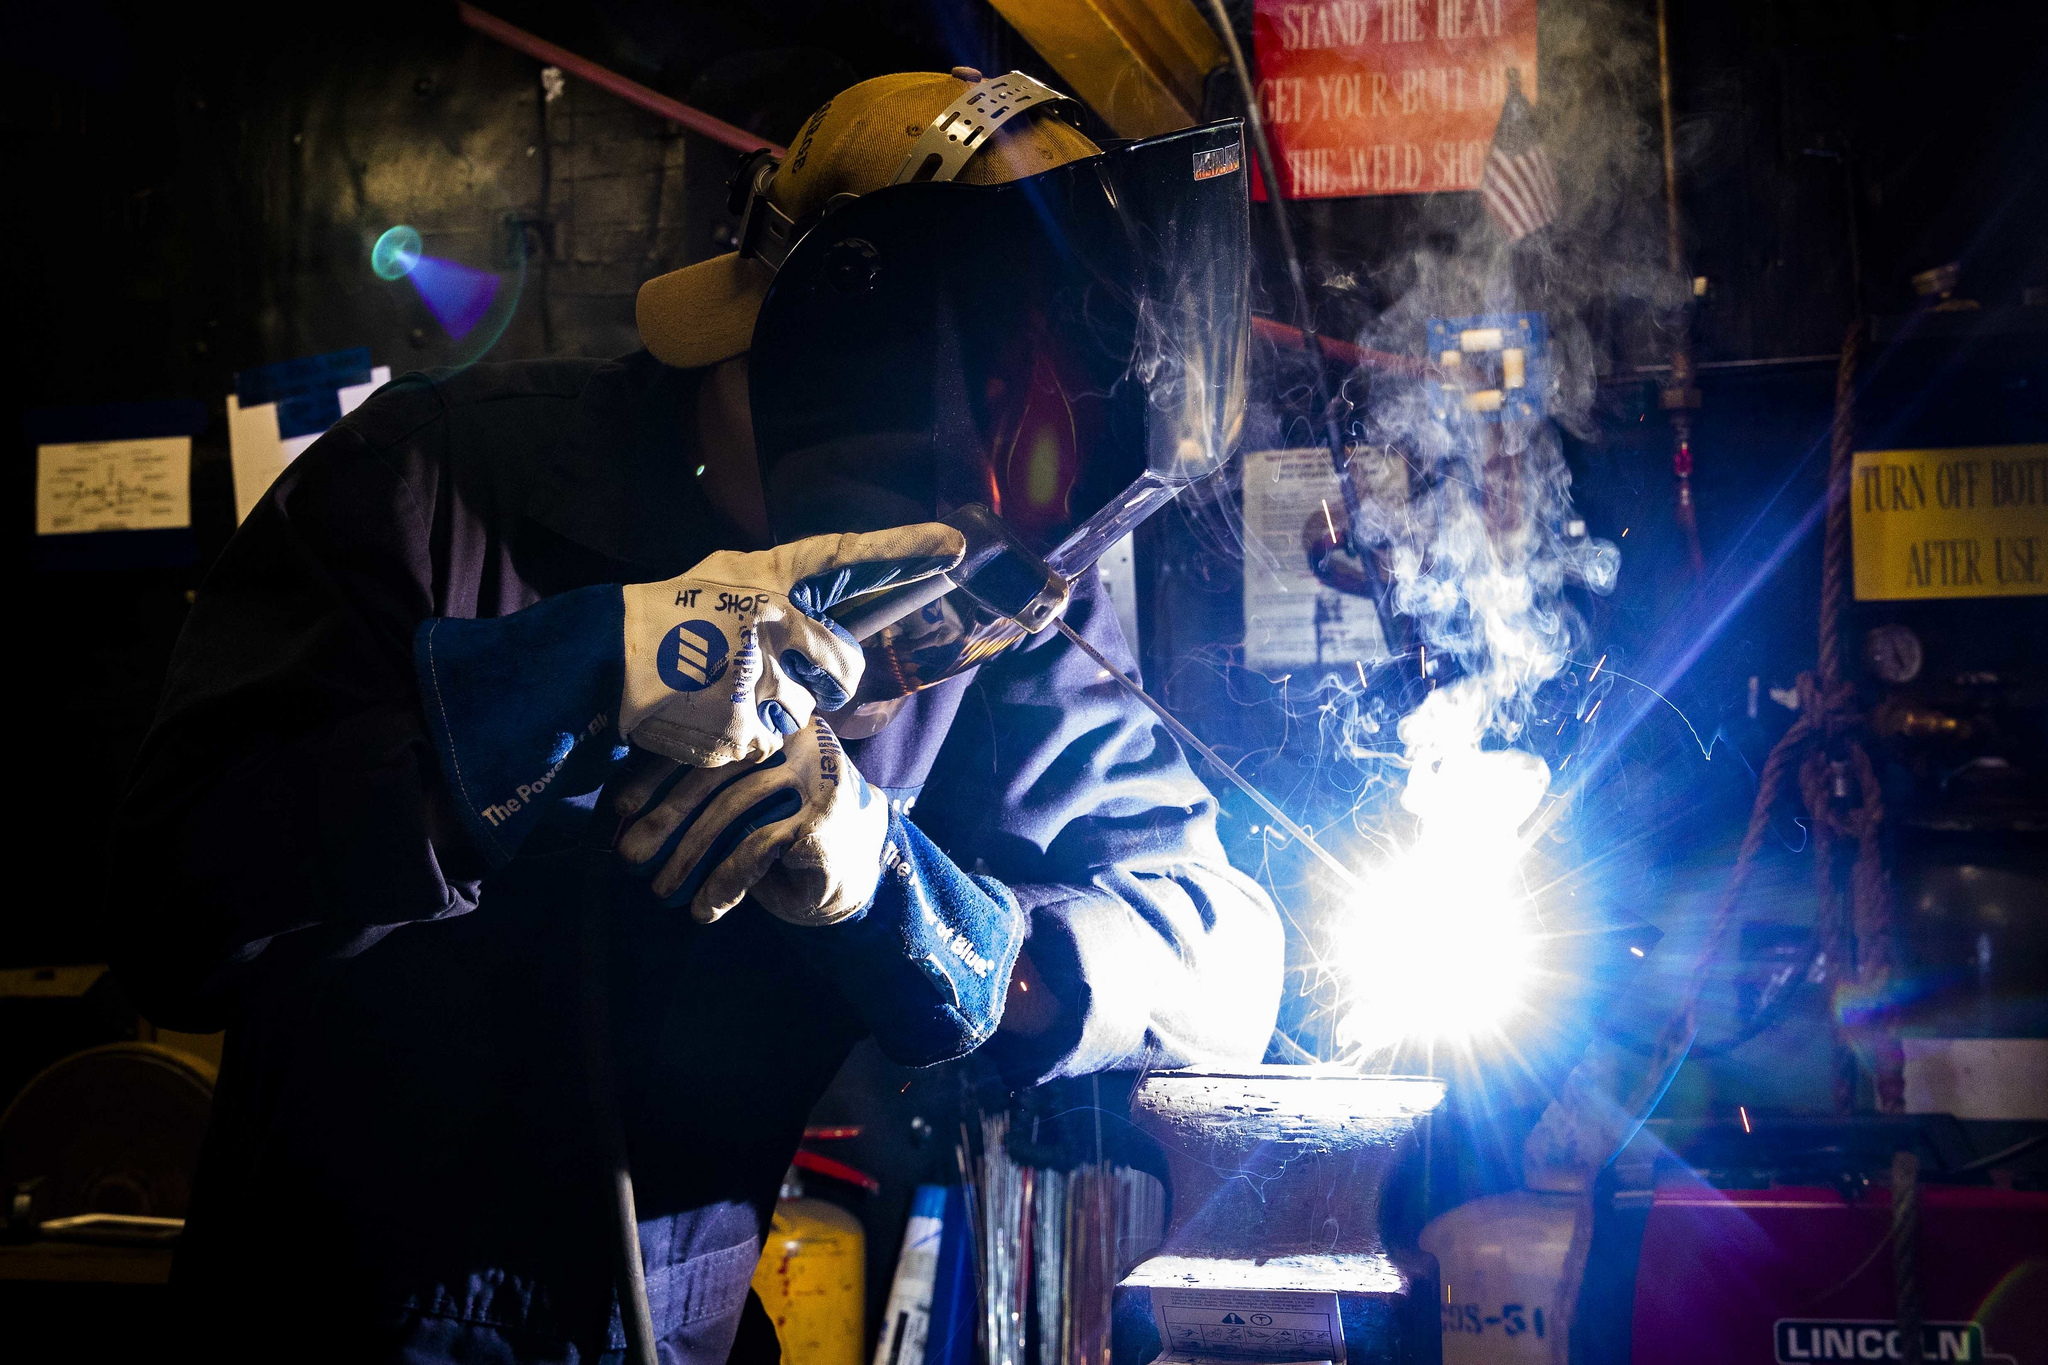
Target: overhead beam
x=1140, y=64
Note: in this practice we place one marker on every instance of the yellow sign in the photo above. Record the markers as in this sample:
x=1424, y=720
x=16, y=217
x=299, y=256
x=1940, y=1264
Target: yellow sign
x=1969, y=522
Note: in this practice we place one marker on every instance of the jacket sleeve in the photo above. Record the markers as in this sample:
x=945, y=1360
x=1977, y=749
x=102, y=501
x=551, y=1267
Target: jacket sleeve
x=285, y=806
x=1061, y=785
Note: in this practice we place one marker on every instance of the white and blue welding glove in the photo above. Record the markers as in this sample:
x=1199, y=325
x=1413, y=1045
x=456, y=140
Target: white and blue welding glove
x=725, y=660
x=713, y=667
x=922, y=949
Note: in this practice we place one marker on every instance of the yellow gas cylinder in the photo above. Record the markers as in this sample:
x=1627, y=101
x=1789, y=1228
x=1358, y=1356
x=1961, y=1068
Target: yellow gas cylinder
x=812, y=1279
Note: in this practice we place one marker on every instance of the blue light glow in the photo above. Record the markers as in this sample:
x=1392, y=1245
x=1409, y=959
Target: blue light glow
x=457, y=295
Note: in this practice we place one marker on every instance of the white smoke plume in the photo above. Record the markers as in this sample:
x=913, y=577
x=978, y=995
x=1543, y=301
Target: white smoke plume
x=1484, y=543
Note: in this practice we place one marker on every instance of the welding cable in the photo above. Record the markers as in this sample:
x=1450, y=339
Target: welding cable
x=1903, y=1220
x=1187, y=737
x=1770, y=1012
x=594, y=972
x=2020, y=1148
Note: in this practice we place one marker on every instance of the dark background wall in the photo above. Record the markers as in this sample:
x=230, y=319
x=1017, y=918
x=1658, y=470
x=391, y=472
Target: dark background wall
x=193, y=191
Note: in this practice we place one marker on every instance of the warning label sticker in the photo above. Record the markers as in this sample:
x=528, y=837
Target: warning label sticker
x=1249, y=1325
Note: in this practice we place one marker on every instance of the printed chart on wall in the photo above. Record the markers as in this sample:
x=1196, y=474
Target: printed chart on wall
x=143, y=485
x=1292, y=620
x=1368, y=97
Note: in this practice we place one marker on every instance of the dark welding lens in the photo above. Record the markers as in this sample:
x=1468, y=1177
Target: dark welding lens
x=1066, y=350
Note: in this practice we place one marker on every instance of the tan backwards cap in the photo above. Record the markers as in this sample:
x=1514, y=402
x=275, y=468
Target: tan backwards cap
x=855, y=144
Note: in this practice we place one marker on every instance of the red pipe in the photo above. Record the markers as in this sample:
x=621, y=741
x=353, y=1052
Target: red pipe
x=632, y=92
x=1280, y=334
x=740, y=140
x=838, y=1170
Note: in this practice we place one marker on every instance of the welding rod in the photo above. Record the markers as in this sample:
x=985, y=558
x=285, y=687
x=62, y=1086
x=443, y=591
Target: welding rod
x=1187, y=737
x=989, y=542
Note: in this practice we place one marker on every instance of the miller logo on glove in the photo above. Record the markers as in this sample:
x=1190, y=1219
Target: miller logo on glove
x=922, y=949
x=711, y=656
x=714, y=667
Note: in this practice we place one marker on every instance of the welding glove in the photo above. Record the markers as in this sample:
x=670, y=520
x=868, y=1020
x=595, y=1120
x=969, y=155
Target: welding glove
x=724, y=661
x=801, y=829
x=923, y=950
x=712, y=667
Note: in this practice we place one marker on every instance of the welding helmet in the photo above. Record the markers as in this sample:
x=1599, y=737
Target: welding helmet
x=1067, y=350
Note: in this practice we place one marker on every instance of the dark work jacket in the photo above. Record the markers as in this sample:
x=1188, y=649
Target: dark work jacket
x=401, y=1163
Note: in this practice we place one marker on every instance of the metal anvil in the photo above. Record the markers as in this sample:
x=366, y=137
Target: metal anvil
x=1276, y=1175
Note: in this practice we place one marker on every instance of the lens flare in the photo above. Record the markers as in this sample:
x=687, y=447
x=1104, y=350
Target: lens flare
x=396, y=253
x=457, y=295
x=1441, y=944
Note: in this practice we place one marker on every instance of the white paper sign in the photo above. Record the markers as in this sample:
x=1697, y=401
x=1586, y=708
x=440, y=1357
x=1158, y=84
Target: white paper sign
x=1291, y=620
x=352, y=395
x=114, y=486
x=1118, y=569
x=1244, y=1324
x=257, y=454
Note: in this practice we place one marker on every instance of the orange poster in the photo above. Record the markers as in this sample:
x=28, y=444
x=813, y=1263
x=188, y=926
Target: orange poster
x=1388, y=96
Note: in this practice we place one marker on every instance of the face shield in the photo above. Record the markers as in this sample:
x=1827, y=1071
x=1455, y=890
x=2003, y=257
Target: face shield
x=1067, y=350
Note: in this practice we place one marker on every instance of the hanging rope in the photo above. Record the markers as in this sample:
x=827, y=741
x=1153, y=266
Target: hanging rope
x=1827, y=754
x=1905, y=1240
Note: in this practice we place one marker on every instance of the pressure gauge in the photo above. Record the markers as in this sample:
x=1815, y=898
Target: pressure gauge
x=1894, y=654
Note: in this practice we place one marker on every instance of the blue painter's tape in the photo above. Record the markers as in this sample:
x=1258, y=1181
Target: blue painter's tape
x=269, y=383
x=304, y=389
x=307, y=414
x=103, y=551
x=1482, y=370
x=113, y=422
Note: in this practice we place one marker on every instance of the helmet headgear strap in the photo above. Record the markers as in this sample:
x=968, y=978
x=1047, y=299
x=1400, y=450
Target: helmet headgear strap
x=962, y=128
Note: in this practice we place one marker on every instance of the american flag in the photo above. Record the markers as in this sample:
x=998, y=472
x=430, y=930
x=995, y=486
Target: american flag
x=1518, y=188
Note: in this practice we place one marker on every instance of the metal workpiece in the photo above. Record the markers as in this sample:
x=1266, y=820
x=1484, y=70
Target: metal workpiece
x=1276, y=1176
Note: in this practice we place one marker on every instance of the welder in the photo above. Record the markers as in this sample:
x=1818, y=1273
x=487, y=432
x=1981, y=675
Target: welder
x=499, y=609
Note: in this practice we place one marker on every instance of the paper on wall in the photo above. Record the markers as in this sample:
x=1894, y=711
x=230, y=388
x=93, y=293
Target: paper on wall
x=257, y=454
x=143, y=485
x=352, y=395
x=1292, y=620
x=1118, y=569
